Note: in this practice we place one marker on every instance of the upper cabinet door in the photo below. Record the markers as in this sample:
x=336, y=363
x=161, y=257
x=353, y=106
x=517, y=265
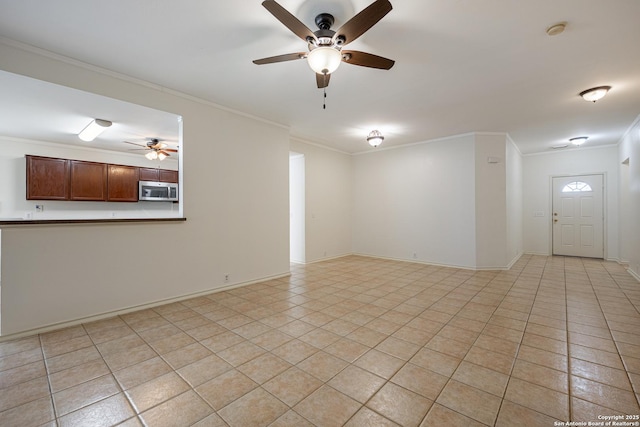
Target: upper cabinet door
x=88, y=181
x=168, y=176
x=148, y=174
x=47, y=178
x=123, y=183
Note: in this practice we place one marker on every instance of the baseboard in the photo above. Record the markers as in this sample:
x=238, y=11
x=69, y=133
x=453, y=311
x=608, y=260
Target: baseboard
x=106, y=315
x=514, y=260
x=416, y=261
x=324, y=259
x=435, y=264
x=634, y=274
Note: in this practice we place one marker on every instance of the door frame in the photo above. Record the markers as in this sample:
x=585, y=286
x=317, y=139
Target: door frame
x=605, y=204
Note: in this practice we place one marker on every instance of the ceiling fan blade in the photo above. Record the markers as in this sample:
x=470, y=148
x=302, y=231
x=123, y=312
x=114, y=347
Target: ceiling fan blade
x=289, y=21
x=171, y=150
x=322, y=80
x=280, y=58
x=365, y=59
x=164, y=152
x=367, y=18
x=133, y=143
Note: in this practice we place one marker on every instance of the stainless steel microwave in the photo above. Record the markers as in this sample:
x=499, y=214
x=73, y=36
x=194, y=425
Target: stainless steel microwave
x=158, y=191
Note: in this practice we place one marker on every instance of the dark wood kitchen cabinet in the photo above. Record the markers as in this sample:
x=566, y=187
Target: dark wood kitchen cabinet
x=168, y=176
x=51, y=178
x=122, y=183
x=161, y=175
x=149, y=174
x=88, y=181
x=47, y=178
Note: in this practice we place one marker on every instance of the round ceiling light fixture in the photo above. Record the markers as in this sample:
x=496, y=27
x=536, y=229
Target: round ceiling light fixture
x=595, y=93
x=578, y=140
x=375, y=138
x=556, y=29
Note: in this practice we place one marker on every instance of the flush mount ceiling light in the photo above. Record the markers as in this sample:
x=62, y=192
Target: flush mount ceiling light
x=578, y=140
x=93, y=129
x=375, y=138
x=595, y=93
x=556, y=29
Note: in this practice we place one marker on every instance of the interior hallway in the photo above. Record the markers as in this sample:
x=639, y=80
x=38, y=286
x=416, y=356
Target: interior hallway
x=352, y=341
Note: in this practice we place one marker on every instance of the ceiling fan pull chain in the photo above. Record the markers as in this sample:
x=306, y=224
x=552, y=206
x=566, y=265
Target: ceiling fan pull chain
x=324, y=101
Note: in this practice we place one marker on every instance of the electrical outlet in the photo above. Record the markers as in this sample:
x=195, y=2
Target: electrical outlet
x=39, y=208
x=415, y=255
x=226, y=277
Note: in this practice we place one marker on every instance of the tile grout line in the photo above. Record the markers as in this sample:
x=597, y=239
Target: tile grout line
x=515, y=357
x=387, y=381
x=569, y=364
x=480, y=333
x=624, y=365
x=46, y=372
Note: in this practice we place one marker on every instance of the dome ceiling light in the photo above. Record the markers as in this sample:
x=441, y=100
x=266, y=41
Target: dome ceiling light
x=595, y=93
x=578, y=140
x=375, y=138
x=556, y=29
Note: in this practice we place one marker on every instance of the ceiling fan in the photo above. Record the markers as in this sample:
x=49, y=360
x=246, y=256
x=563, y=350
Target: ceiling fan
x=157, y=149
x=325, y=45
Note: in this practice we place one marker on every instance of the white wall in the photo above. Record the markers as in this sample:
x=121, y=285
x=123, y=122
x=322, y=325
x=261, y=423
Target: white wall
x=235, y=201
x=13, y=203
x=538, y=170
x=629, y=148
x=328, y=200
x=417, y=199
x=514, y=201
x=296, y=206
x=491, y=201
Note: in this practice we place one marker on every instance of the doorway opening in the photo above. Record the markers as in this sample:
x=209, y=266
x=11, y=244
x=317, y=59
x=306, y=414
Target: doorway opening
x=578, y=215
x=296, y=208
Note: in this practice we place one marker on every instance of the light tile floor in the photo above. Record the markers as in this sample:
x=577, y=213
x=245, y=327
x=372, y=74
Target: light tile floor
x=353, y=341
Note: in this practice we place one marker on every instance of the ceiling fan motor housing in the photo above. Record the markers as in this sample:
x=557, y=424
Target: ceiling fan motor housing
x=324, y=21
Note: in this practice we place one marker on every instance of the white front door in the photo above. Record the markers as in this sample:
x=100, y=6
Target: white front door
x=578, y=216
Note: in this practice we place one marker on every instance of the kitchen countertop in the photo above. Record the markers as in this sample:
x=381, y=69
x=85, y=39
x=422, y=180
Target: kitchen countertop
x=22, y=222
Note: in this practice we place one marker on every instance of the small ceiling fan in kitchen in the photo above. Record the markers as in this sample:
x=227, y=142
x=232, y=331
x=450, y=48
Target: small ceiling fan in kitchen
x=325, y=45
x=157, y=149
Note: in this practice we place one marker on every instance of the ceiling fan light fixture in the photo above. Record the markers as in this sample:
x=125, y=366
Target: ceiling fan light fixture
x=161, y=156
x=93, y=129
x=375, y=138
x=324, y=59
x=151, y=155
x=595, y=93
x=578, y=140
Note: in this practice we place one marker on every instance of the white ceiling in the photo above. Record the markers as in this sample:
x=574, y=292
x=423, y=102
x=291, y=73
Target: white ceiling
x=461, y=65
